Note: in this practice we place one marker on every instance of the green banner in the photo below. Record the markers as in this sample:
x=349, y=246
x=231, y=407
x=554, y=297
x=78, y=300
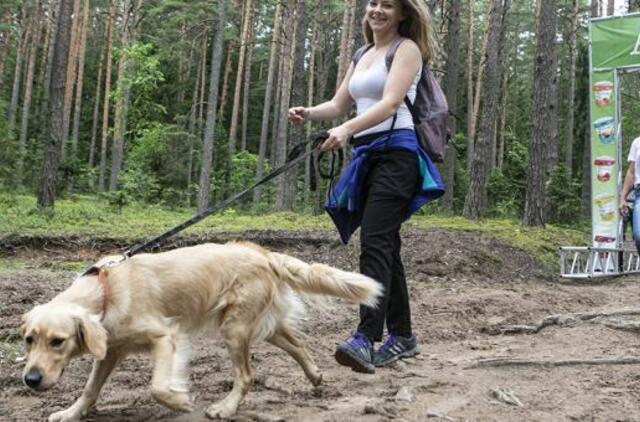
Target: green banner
x=615, y=42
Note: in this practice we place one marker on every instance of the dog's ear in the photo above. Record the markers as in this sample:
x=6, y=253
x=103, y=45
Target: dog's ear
x=92, y=336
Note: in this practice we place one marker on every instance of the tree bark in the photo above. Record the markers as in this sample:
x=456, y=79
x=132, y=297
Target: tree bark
x=571, y=95
x=544, y=75
x=264, y=129
x=17, y=73
x=233, y=130
x=231, y=47
x=207, y=149
x=476, y=200
x=47, y=63
x=36, y=26
x=319, y=5
x=470, y=117
x=46, y=191
x=247, y=87
x=120, y=108
x=610, y=7
x=451, y=90
x=203, y=79
x=96, y=104
x=285, y=91
x=345, y=39
x=84, y=29
x=5, y=39
x=107, y=92
x=72, y=67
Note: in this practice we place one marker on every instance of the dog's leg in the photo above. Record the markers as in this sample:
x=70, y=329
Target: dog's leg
x=285, y=339
x=162, y=356
x=237, y=339
x=99, y=374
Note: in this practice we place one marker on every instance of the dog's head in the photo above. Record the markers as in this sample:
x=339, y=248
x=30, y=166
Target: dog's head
x=55, y=333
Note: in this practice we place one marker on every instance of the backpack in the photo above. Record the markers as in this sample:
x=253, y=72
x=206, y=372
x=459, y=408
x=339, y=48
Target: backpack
x=430, y=111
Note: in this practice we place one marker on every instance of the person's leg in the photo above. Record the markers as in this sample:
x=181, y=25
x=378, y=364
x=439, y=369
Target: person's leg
x=391, y=185
x=398, y=309
x=388, y=188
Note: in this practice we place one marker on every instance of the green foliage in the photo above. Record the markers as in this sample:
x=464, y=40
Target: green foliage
x=563, y=197
x=8, y=148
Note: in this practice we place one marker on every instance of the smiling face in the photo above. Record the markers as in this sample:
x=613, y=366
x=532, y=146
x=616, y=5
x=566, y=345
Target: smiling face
x=384, y=15
x=53, y=334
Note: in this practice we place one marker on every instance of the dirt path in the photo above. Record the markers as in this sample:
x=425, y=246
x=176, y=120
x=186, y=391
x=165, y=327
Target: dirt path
x=458, y=298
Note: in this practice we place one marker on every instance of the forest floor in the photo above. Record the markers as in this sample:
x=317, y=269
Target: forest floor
x=464, y=288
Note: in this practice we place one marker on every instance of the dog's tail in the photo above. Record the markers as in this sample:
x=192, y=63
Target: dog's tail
x=325, y=280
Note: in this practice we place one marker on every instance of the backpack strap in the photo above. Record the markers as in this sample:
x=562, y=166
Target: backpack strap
x=359, y=53
x=391, y=52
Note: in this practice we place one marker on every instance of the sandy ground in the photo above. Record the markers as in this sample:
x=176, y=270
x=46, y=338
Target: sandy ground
x=463, y=287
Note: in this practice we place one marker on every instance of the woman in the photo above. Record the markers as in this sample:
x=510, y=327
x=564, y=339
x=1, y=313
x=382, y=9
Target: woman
x=389, y=176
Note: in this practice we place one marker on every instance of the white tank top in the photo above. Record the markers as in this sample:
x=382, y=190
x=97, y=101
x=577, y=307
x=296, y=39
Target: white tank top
x=366, y=88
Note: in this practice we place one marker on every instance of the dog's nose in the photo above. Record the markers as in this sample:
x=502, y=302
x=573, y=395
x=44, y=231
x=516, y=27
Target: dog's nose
x=33, y=378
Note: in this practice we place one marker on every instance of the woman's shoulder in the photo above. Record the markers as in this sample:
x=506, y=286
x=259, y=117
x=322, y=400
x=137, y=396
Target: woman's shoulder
x=409, y=48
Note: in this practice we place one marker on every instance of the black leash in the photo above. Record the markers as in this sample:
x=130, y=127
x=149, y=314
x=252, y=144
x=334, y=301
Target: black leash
x=295, y=156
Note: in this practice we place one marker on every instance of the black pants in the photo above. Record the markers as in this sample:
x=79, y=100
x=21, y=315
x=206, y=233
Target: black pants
x=391, y=181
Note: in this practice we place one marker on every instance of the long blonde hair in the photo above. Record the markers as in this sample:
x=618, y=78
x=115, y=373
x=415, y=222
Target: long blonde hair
x=417, y=26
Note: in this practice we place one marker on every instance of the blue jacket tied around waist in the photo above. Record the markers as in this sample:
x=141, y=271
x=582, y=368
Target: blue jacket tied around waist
x=346, y=198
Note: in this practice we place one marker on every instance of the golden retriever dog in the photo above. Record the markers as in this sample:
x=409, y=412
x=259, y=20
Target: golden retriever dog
x=155, y=302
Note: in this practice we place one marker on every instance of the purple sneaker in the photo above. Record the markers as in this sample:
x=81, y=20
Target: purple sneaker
x=394, y=348
x=357, y=353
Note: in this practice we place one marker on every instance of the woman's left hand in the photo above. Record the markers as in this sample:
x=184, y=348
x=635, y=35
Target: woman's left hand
x=338, y=137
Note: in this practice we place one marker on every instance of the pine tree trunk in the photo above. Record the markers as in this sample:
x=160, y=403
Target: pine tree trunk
x=360, y=10
x=203, y=79
x=573, y=54
x=504, y=100
x=107, y=93
x=343, y=58
x=231, y=47
x=544, y=75
x=17, y=74
x=46, y=191
x=297, y=95
x=96, y=105
x=36, y=26
x=264, y=129
x=120, y=103
x=478, y=91
x=610, y=7
x=5, y=39
x=84, y=29
x=319, y=5
x=285, y=91
x=233, y=130
x=451, y=90
x=247, y=88
x=47, y=63
x=207, y=148
x=480, y=167
x=72, y=67
x=470, y=116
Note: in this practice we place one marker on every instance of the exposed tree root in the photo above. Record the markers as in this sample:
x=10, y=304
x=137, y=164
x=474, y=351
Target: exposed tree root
x=572, y=319
x=497, y=362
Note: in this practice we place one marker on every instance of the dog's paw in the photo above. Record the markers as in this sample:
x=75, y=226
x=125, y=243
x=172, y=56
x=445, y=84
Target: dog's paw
x=68, y=415
x=175, y=401
x=222, y=410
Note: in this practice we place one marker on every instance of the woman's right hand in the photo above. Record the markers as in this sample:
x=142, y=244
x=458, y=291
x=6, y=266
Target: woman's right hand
x=297, y=115
x=623, y=208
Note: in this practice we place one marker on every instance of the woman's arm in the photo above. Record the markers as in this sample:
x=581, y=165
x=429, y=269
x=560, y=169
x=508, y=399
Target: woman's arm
x=406, y=64
x=329, y=110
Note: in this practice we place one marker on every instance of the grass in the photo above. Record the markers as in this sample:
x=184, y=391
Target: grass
x=85, y=218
